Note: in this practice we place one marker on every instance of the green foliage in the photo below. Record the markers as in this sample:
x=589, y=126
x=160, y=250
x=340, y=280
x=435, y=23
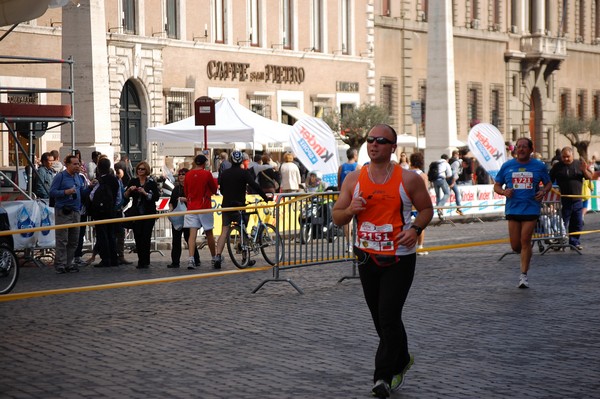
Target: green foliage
x=354, y=126
x=579, y=132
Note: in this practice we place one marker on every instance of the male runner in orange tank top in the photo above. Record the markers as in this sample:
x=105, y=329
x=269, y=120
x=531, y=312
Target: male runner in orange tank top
x=380, y=197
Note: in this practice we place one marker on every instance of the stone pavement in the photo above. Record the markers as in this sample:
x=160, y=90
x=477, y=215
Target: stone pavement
x=472, y=332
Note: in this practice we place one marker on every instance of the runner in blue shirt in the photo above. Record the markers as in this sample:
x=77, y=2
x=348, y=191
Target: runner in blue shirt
x=519, y=181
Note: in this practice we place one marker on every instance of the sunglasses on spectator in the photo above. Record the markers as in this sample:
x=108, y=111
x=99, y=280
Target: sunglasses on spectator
x=181, y=173
x=141, y=168
x=379, y=140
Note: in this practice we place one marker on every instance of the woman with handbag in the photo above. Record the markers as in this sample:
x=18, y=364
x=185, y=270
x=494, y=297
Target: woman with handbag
x=144, y=193
x=268, y=179
x=177, y=203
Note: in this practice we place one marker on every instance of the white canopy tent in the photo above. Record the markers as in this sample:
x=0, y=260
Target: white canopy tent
x=235, y=124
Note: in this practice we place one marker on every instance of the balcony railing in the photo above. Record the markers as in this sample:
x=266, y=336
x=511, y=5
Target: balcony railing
x=544, y=47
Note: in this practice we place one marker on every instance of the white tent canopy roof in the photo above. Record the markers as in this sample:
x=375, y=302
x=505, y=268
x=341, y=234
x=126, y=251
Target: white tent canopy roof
x=234, y=123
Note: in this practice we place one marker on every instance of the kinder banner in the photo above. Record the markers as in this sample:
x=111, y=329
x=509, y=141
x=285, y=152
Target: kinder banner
x=477, y=199
x=312, y=141
x=487, y=144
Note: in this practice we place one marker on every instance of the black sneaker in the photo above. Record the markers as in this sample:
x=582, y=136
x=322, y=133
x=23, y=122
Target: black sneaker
x=216, y=262
x=60, y=270
x=398, y=379
x=173, y=266
x=73, y=269
x=381, y=389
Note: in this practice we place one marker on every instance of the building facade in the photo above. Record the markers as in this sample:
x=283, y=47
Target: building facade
x=519, y=64
x=142, y=63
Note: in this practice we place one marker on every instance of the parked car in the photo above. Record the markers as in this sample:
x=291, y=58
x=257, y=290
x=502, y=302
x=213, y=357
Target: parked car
x=7, y=191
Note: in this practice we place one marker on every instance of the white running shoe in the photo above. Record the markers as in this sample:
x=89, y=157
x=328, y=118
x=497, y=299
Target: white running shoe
x=523, y=282
x=191, y=264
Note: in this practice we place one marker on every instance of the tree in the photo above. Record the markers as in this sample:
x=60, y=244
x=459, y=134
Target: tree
x=579, y=132
x=354, y=126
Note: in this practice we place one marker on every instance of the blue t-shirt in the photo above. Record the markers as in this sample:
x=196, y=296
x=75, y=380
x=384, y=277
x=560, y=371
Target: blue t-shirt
x=346, y=169
x=524, y=179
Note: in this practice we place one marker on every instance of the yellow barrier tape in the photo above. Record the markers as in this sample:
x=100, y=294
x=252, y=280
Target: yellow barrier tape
x=579, y=196
x=464, y=245
x=99, y=287
x=580, y=233
x=156, y=216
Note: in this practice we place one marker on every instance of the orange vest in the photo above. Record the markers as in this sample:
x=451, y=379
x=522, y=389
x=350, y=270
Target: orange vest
x=388, y=211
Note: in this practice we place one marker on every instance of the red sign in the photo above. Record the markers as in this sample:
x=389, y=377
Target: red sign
x=204, y=111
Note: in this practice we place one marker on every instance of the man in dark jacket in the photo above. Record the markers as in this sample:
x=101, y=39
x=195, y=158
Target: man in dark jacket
x=105, y=184
x=569, y=173
x=233, y=188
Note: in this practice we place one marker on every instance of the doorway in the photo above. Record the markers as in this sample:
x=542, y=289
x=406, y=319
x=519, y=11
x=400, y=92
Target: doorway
x=131, y=124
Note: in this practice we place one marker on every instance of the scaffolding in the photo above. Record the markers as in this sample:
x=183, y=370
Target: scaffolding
x=31, y=117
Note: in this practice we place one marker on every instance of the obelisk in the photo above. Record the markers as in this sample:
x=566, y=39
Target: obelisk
x=440, y=123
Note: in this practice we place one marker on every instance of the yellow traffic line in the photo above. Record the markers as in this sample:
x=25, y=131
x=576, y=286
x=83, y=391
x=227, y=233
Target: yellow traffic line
x=124, y=284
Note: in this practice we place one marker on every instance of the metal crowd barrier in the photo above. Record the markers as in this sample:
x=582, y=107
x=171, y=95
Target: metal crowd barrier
x=550, y=231
x=309, y=236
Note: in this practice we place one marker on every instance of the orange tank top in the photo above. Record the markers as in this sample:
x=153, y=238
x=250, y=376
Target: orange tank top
x=387, y=213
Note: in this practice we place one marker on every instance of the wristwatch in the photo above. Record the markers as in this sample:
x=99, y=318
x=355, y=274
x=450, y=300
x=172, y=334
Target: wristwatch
x=418, y=229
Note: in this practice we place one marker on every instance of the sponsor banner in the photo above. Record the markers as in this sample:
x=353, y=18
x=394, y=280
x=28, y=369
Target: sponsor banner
x=312, y=141
x=487, y=144
x=475, y=199
x=30, y=214
x=594, y=202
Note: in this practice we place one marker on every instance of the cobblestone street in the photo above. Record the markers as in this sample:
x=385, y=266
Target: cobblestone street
x=472, y=332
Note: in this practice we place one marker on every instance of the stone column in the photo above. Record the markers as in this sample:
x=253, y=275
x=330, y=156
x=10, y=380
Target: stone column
x=84, y=39
x=551, y=14
x=538, y=20
x=440, y=130
x=519, y=13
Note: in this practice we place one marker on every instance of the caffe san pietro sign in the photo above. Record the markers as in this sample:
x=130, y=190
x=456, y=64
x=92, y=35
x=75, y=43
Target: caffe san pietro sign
x=232, y=71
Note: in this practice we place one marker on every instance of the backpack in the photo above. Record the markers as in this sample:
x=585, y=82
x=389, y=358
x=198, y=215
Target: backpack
x=433, y=172
x=102, y=206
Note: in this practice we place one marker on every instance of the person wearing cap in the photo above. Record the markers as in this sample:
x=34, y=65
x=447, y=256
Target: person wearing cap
x=199, y=186
x=233, y=184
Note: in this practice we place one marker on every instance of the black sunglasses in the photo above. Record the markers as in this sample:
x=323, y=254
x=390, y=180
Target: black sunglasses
x=379, y=140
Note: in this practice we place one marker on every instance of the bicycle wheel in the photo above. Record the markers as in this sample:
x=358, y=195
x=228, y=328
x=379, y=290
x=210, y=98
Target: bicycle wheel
x=238, y=252
x=9, y=270
x=270, y=243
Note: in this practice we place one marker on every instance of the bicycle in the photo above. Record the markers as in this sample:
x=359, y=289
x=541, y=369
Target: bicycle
x=264, y=238
x=9, y=269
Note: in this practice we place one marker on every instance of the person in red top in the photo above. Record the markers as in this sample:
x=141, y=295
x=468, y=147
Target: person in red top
x=380, y=197
x=199, y=186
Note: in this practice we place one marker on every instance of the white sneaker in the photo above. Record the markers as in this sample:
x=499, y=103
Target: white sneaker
x=421, y=253
x=191, y=264
x=523, y=282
